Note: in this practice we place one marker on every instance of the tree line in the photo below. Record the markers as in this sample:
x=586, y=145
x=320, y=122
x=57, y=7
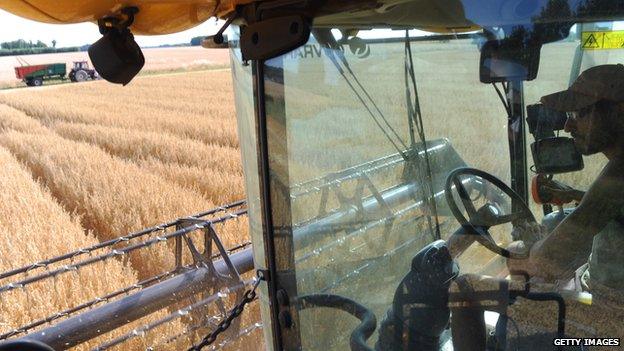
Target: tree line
x=23, y=44
x=23, y=47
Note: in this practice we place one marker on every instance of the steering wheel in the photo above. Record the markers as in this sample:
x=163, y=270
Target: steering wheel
x=24, y=345
x=480, y=221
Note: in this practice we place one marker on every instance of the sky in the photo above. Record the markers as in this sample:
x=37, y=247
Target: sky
x=14, y=27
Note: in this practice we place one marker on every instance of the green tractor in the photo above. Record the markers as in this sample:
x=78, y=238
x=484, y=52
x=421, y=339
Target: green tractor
x=35, y=75
x=81, y=72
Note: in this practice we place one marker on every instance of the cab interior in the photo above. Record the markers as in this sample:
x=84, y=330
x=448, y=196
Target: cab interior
x=371, y=127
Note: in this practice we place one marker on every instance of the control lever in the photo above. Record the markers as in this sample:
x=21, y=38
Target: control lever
x=546, y=190
x=420, y=313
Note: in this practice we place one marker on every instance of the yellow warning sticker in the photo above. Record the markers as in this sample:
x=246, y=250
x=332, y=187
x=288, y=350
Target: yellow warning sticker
x=602, y=40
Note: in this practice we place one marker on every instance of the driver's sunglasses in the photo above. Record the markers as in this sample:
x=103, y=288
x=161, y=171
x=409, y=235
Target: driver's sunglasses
x=586, y=111
x=582, y=113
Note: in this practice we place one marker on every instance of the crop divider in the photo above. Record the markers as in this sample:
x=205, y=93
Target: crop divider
x=204, y=259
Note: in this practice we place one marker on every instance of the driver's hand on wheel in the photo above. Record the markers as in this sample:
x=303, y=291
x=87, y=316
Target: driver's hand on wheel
x=529, y=233
x=525, y=234
x=517, y=264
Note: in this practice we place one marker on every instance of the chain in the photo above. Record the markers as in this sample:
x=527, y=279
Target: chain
x=248, y=297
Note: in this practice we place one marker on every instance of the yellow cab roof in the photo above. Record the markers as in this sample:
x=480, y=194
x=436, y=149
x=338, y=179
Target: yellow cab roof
x=154, y=17
x=169, y=16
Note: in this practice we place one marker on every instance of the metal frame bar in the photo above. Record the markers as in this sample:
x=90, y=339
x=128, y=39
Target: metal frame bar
x=100, y=320
x=183, y=226
x=109, y=297
x=106, y=298
x=170, y=317
x=115, y=253
x=265, y=198
x=517, y=143
x=87, y=250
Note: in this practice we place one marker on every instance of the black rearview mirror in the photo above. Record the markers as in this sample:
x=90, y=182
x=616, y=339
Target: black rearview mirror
x=502, y=61
x=117, y=57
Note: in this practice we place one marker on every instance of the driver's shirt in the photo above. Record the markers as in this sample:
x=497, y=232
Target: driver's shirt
x=606, y=262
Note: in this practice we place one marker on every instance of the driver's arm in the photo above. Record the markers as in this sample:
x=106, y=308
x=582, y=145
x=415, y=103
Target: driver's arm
x=570, y=243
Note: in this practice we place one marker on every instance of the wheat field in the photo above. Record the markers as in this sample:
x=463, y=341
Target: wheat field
x=38, y=226
x=86, y=169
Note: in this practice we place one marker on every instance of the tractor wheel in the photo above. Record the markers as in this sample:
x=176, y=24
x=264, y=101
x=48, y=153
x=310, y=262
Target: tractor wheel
x=29, y=82
x=81, y=76
x=37, y=82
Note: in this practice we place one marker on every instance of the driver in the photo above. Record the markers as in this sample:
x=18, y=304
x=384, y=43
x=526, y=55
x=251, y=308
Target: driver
x=594, y=230
x=595, y=106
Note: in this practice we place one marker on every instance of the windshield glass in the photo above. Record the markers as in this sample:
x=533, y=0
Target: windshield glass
x=365, y=130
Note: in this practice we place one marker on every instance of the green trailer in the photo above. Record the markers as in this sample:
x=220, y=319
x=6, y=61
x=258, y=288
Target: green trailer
x=35, y=75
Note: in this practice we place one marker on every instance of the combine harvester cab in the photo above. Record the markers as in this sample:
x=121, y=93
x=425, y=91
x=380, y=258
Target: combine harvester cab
x=385, y=147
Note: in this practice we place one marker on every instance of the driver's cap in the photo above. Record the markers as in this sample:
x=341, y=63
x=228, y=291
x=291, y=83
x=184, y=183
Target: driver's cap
x=604, y=82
